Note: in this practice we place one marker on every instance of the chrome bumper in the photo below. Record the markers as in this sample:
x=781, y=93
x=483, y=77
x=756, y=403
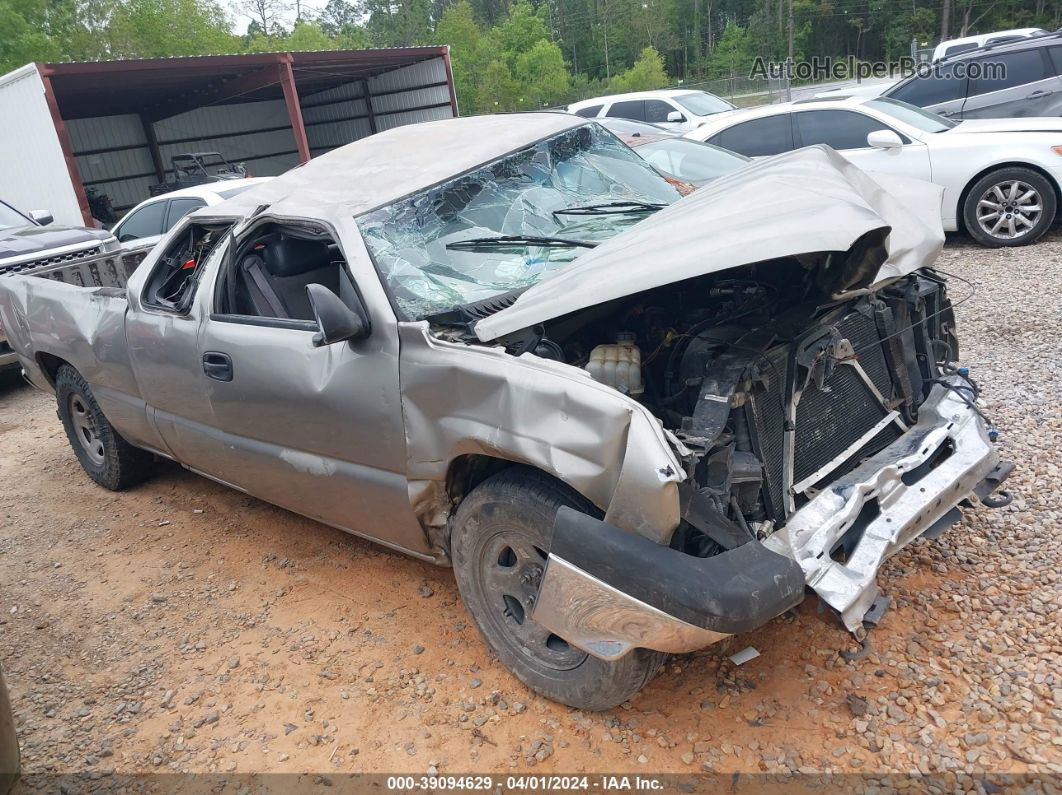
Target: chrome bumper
x=910, y=496
x=605, y=622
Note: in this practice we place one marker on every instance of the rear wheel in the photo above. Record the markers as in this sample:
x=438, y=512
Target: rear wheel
x=500, y=544
x=1010, y=207
x=107, y=458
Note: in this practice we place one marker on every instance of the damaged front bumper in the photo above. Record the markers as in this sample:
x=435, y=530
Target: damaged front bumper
x=909, y=488
x=608, y=591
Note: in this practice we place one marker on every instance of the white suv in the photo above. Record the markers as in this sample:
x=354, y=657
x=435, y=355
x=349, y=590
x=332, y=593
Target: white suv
x=946, y=49
x=677, y=109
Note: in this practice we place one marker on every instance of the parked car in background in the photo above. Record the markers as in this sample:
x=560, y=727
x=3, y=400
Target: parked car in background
x=673, y=109
x=1027, y=81
x=145, y=224
x=30, y=242
x=953, y=47
x=692, y=163
x=1001, y=177
x=433, y=337
x=9, y=754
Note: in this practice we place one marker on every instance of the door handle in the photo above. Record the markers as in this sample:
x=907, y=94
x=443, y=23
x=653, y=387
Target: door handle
x=1039, y=93
x=217, y=366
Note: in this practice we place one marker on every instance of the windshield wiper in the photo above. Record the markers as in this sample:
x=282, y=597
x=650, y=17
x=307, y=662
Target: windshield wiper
x=510, y=241
x=612, y=208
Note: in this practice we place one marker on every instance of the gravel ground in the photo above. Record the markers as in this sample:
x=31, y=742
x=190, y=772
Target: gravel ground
x=184, y=627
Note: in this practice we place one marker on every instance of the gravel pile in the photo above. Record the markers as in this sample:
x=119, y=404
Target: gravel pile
x=995, y=622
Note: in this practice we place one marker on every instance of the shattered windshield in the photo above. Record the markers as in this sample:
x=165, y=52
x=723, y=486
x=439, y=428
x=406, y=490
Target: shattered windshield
x=439, y=249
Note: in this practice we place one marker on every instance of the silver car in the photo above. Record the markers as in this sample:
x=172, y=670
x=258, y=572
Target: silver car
x=1016, y=79
x=633, y=422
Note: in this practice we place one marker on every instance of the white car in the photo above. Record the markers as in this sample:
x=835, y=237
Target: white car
x=1001, y=177
x=968, y=43
x=676, y=109
x=145, y=224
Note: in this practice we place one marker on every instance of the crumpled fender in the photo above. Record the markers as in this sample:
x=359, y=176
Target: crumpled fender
x=462, y=399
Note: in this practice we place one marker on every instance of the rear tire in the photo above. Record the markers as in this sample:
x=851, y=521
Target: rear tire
x=107, y=458
x=1010, y=207
x=500, y=542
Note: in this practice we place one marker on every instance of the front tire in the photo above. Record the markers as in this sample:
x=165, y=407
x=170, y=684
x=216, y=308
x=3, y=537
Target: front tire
x=1010, y=207
x=107, y=458
x=500, y=543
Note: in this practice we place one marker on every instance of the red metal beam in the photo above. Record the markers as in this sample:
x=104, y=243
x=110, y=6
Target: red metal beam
x=450, y=79
x=153, y=147
x=368, y=106
x=291, y=99
x=68, y=150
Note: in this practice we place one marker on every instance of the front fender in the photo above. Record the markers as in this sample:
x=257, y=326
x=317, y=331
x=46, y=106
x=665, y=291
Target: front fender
x=460, y=399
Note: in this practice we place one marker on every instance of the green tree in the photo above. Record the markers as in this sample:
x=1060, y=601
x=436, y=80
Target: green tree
x=309, y=36
x=24, y=38
x=353, y=37
x=733, y=54
x=338, y=15
x=519, y=32
x=542, y=75
x=497, y=91
x=459, y=29
x=159, y=28
x=646, y=74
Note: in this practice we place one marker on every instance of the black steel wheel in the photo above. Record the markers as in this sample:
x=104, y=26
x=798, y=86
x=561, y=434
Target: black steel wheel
x=500, y=543
x=107, y=458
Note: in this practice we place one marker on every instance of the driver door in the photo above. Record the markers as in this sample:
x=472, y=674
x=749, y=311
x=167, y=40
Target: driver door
x=317, y=430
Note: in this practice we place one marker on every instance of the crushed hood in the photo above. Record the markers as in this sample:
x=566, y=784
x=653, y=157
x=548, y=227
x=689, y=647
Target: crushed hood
x=804, y=202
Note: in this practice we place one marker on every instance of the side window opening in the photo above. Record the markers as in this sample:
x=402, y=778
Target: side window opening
x=173, y=282
x=589, y=112
x=268, y=276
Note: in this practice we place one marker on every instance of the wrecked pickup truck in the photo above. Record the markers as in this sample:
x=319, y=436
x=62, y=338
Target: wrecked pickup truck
x=634, y=423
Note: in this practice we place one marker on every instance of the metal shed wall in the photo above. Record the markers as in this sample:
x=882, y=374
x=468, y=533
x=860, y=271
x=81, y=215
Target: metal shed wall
x=113, y=157
x=256, y=133
x=412, y=94
x=113, y=153
x=33, y=172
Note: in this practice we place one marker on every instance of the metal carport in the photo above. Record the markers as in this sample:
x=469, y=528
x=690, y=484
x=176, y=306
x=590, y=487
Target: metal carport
x=117, y=123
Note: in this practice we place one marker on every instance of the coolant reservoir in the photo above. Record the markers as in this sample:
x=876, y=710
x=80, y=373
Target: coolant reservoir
x=619, y=365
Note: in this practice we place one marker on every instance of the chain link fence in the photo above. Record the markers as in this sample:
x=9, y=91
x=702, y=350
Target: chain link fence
x=745, y=91
x=921, y=54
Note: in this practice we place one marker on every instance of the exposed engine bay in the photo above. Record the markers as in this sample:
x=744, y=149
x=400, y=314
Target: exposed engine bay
x=774, y=386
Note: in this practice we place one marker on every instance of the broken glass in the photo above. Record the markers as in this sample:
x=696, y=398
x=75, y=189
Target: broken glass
x=521, y=195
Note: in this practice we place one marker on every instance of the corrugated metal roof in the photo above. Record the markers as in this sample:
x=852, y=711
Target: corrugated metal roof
x=134, y=61
x=159, y=87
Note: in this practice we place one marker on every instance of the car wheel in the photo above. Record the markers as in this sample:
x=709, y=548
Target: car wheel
x=499, y=545
x=108, y=458
x=1009, y=207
